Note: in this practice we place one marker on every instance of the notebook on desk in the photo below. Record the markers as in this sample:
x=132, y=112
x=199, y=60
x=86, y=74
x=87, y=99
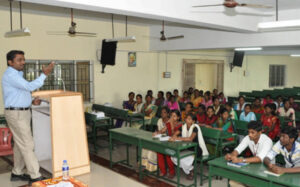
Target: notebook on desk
x=240, y=164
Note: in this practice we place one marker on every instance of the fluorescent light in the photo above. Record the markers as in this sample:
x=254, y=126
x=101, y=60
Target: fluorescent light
x=248, y=49
x=122, y=39
x=295, y=55
x=277, y=25
x=20, y=32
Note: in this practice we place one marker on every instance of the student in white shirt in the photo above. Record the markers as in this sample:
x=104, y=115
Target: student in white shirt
x=289, y=148
x=258, y=143
x=287, y=112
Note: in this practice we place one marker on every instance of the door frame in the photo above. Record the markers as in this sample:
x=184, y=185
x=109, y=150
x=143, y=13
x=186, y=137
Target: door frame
x=200, y=61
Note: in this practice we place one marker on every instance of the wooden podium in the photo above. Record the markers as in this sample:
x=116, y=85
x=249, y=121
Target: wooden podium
x=59, y=132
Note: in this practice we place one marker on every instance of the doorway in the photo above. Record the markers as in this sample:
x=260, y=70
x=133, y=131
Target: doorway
x=203, y=74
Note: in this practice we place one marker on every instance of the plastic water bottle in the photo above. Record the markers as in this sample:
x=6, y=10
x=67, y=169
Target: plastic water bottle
x=65, y=170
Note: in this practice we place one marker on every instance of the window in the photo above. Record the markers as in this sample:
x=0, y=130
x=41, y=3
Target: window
x=277, y=75
x=68, y=75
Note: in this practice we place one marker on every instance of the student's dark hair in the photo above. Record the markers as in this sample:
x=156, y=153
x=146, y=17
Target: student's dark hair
x=131, y=93
x=221, y=93
x=161, y=92
x=268, y=95
x=286, y=100
x=255, y=125
x=278, y=96
x=241, y=97
x=290, y=131
x=202, y=106
x=290, y=97
x=149, y=91
x=223, y=110
x=229, y=104
x=248, y=105
x=207, y=93
x=175, y=90
x=272, y=106
x=140, y=96
x=190, y=103
x=168, y=93
x=166, y=109
x=185, y=92
x=215, y=98
x=149, y=96
x=201, y=92
x=194, y=118
x=12, y=54
x=210, y=107
x=257, y=98
x=177, y=113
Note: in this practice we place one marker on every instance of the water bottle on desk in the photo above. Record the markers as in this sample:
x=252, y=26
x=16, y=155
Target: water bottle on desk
x=65, y=170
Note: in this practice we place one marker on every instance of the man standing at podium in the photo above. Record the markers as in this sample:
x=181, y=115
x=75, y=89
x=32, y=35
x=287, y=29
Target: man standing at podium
x=16, y=93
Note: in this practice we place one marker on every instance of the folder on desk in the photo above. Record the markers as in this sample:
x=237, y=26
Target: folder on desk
x=240, y=164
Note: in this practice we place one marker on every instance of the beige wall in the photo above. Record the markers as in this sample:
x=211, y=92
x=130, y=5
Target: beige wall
x=114, y=85
x=206, y=76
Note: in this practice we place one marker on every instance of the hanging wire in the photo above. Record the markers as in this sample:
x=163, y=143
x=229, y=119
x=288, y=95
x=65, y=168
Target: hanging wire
x=21, y=20
x=112, y=24
x=166, y=61
x=10, y=6
x=126, y=26
x=276, y=10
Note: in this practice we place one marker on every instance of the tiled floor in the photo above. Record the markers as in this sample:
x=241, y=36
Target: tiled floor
x=102, y=176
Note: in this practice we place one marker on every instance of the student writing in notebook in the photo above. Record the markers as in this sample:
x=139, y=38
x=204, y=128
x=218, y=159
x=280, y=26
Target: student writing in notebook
x=289, y=148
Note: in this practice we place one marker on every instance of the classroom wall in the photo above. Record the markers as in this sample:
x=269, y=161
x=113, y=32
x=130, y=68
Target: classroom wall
x=114, y=85
x=206, y=76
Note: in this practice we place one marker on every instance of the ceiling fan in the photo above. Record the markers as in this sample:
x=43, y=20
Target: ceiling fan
x=163, y=36
x=233, y=4
x=72, y=30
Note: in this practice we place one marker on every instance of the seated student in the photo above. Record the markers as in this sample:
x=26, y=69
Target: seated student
x=173, y=104
x=211, y=118
x=207, y=100
x=288, y=113
x=176, y=94
x=188, y=109
x=160, y=99
x=216, y=105
x=222, y=98
x=232, y=113
x=171, y=127
x=201, y=93
x=257, y=107
x=267, y=100
x=168, y=98
x=190, y=132
x=201, y=114
x=241, y=103
x=224, y=122
x=130, y=103
x=289, y=148
x=197, y=98
x=271, y=121
x=149, y=110
x=294, y=105
x=278, y=102
x=185, y=98
x=191, y=92
x=150, y=92
x=149, y=158
x=139, y=103
x=247, y=115
x=215, y=93
x=258, y=143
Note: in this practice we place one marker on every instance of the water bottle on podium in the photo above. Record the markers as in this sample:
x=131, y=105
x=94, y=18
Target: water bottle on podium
x=65, y=170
